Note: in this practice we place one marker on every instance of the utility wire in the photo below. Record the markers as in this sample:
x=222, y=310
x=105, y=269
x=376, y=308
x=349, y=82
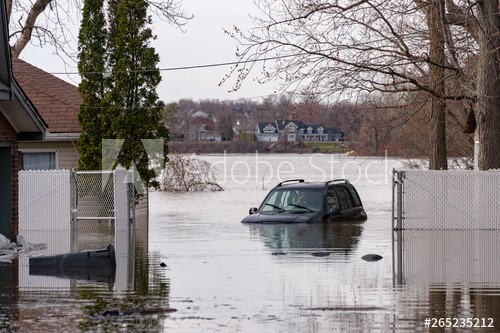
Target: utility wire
x=220, y=64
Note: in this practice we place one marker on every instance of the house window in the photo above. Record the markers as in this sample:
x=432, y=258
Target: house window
x=37, y=160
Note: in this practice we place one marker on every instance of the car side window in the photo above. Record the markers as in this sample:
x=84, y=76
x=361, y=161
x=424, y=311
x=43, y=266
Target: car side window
x=354, y=196
x=344, y=197
x=331, y=199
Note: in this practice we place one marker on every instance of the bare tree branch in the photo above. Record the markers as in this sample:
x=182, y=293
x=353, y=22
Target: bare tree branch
x=25, y=35
x=329, y=49
x=464, y=17
x=55, y=23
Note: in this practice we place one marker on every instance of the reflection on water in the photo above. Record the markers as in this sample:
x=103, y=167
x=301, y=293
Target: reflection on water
x=224, y=276
x=458, y=269
x=429, y=257
x=103, y=274
x=72, y=300
x=339, y=239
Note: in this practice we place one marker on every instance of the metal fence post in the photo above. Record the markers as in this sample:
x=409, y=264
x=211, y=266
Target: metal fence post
x=122, y=208
x=399, y=184
x=397, y=198
x=393, y=215
x=397, y=215
x=74, y=209
x=122, y=180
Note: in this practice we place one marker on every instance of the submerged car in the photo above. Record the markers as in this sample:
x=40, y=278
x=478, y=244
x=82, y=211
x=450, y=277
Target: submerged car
x=297, y=201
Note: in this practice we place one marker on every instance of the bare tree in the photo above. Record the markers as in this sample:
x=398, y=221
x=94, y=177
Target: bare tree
x=46, y=26
x=438, y=158
x=488, y=84
x=225, y=124
x=338, y=50
x=48, y=22
x=379, y=119
x=187, y=173
x=342, y=49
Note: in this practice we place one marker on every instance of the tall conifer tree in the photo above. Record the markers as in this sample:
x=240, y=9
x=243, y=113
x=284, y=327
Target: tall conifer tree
x=129, y=106
x=135, y=109
x=91, y=66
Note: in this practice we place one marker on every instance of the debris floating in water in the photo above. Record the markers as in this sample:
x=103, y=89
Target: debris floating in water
x=371, y=257
x=10, y=250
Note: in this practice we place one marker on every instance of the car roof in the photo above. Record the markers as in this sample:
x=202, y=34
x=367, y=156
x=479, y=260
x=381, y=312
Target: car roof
x=301, y=184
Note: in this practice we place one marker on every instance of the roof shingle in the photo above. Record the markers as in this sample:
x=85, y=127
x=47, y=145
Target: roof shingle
x=57, y=101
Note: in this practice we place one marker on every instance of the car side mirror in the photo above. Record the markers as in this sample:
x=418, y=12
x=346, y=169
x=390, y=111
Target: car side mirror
x=252, y=210
x=334, y=211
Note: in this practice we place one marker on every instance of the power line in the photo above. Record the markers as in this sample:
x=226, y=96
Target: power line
x=220, y=64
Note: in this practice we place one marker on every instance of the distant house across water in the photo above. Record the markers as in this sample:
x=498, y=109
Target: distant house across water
x=294, y=130
x=203, y=128
x=267, y=132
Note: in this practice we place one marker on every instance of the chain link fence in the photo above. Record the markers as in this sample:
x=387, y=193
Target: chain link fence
x=453, y=199
x=446, y=226
x=95, y=195
x=103, y=199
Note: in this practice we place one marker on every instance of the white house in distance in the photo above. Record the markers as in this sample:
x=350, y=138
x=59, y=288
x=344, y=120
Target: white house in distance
x=296, y=130
x=267, y=132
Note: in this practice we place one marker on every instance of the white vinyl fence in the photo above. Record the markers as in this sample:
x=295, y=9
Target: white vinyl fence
x=446, y=200
x=44, y=200
x=53, y=199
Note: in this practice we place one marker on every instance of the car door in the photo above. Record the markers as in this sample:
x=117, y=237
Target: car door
x=337, y=204
x=348, y=210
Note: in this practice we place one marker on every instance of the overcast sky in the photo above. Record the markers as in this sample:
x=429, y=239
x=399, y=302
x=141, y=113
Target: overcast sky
x=203, y=43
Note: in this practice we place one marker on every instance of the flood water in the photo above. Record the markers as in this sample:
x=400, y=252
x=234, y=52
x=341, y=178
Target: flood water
x=219, y=275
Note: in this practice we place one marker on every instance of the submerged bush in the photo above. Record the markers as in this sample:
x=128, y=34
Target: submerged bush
x=188, y=173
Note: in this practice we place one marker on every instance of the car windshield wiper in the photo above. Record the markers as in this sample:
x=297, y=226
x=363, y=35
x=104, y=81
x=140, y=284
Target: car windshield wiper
x=299, y=206
x=274, y=206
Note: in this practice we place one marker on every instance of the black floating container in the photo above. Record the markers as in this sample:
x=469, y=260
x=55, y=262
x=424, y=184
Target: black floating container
x=90, y=258
x=92, y=265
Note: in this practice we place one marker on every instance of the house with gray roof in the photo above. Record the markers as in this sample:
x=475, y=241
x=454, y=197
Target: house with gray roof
x=267, y=132
x=296, y=130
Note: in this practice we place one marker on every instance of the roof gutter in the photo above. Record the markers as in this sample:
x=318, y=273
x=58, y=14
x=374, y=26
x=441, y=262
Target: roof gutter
x=28, y=106
x=62, y=136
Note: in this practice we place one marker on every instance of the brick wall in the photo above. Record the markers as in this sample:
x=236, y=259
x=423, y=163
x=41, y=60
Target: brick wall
x=8, y=134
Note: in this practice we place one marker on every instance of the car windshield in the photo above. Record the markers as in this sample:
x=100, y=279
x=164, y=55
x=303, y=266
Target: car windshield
x=292, y=201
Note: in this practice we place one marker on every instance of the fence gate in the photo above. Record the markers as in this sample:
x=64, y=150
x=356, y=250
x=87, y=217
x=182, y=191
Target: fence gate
x=102, y=201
